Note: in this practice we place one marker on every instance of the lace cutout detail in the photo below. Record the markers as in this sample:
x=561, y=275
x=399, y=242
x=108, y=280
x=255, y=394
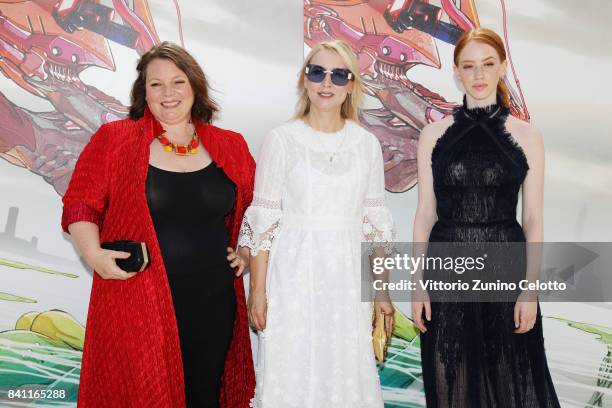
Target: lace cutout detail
x=374, y=202
x=259, y=227
x=264, y=203
x=378, y=229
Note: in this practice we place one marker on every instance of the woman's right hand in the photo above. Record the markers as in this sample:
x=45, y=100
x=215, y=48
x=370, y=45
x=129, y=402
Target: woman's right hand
x=103, y=262
x=258, y=309
x=417, y=314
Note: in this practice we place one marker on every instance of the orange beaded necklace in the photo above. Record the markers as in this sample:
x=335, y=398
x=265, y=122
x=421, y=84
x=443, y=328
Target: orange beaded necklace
x=180, y=149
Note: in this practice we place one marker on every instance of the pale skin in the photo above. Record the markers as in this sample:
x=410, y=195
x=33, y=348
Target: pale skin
x=169, y=97
x=479, y=69
x=326, y=100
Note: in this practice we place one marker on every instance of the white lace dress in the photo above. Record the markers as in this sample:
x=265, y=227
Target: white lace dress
x=317, y=197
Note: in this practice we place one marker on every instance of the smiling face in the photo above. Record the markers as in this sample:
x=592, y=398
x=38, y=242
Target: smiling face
x=479, y=69
x=168, y=92
x=325, y=96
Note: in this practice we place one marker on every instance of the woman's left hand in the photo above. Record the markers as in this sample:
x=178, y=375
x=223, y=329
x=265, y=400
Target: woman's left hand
x=386, y=308
x=238, y=259
x=525, y=312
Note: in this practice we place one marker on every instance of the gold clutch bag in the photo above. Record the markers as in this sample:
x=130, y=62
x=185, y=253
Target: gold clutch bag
x=379, y=337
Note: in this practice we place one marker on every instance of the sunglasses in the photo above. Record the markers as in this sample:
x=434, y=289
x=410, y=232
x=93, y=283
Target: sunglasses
x=339, y=76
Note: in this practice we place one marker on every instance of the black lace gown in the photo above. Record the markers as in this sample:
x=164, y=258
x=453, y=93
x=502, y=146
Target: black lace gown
x=471, y=357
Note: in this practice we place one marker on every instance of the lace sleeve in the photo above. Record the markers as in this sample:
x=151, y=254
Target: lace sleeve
x=378, y=226
x=260, y=224
x=377, y=222
x=262, y=219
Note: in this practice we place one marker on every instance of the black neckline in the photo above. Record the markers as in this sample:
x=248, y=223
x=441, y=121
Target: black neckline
x=480, y=113
x=492, y=120
x=183, y=172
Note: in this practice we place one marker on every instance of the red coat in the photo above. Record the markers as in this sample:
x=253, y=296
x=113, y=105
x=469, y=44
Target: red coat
x=132, y=352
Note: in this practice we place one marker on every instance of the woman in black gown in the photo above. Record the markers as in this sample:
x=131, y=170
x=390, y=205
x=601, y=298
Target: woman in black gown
x=471, y=167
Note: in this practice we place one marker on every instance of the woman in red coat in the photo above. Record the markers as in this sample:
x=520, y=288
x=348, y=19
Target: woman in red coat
x=175, y=334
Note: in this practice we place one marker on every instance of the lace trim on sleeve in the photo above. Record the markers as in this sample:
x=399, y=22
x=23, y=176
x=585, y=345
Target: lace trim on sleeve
x=260, y=225
x=378, y=229
x=269, y=204
x=374, y=202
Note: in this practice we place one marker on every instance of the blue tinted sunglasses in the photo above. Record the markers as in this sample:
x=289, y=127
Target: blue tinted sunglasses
x=339, y=76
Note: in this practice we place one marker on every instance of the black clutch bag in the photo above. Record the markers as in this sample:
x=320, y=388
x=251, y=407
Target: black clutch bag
x=139, y=258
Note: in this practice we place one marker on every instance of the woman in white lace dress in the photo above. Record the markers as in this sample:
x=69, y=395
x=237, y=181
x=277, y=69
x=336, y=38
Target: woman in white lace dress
x=319, y=192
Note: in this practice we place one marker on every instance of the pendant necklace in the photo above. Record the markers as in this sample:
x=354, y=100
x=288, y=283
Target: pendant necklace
x=332, y=156
x=335, y=152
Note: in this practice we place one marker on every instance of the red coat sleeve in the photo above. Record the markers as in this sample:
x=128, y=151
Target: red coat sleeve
x=87, y=196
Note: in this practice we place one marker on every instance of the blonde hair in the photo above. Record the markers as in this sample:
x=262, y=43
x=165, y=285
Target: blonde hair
x=351, y=105
x=489, y=37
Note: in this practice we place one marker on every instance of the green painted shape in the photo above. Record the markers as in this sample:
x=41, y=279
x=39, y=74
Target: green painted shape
x=14, y=298
x=22, y=265
x=403, y=405
x=402, y=371
x=604, y=333
x=401, y=357
x=403, y=327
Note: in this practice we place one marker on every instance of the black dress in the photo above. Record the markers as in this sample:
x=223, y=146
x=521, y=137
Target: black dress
x=188, y=212
x=471, y=357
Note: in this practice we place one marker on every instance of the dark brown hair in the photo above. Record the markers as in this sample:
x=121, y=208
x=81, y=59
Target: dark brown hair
x=489, y=37
x=204, y=107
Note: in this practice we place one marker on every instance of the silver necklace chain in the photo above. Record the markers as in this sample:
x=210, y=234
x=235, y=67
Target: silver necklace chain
x=331, y=156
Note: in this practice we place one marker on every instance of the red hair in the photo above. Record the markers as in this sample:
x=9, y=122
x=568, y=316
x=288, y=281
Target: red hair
x=489, y=37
